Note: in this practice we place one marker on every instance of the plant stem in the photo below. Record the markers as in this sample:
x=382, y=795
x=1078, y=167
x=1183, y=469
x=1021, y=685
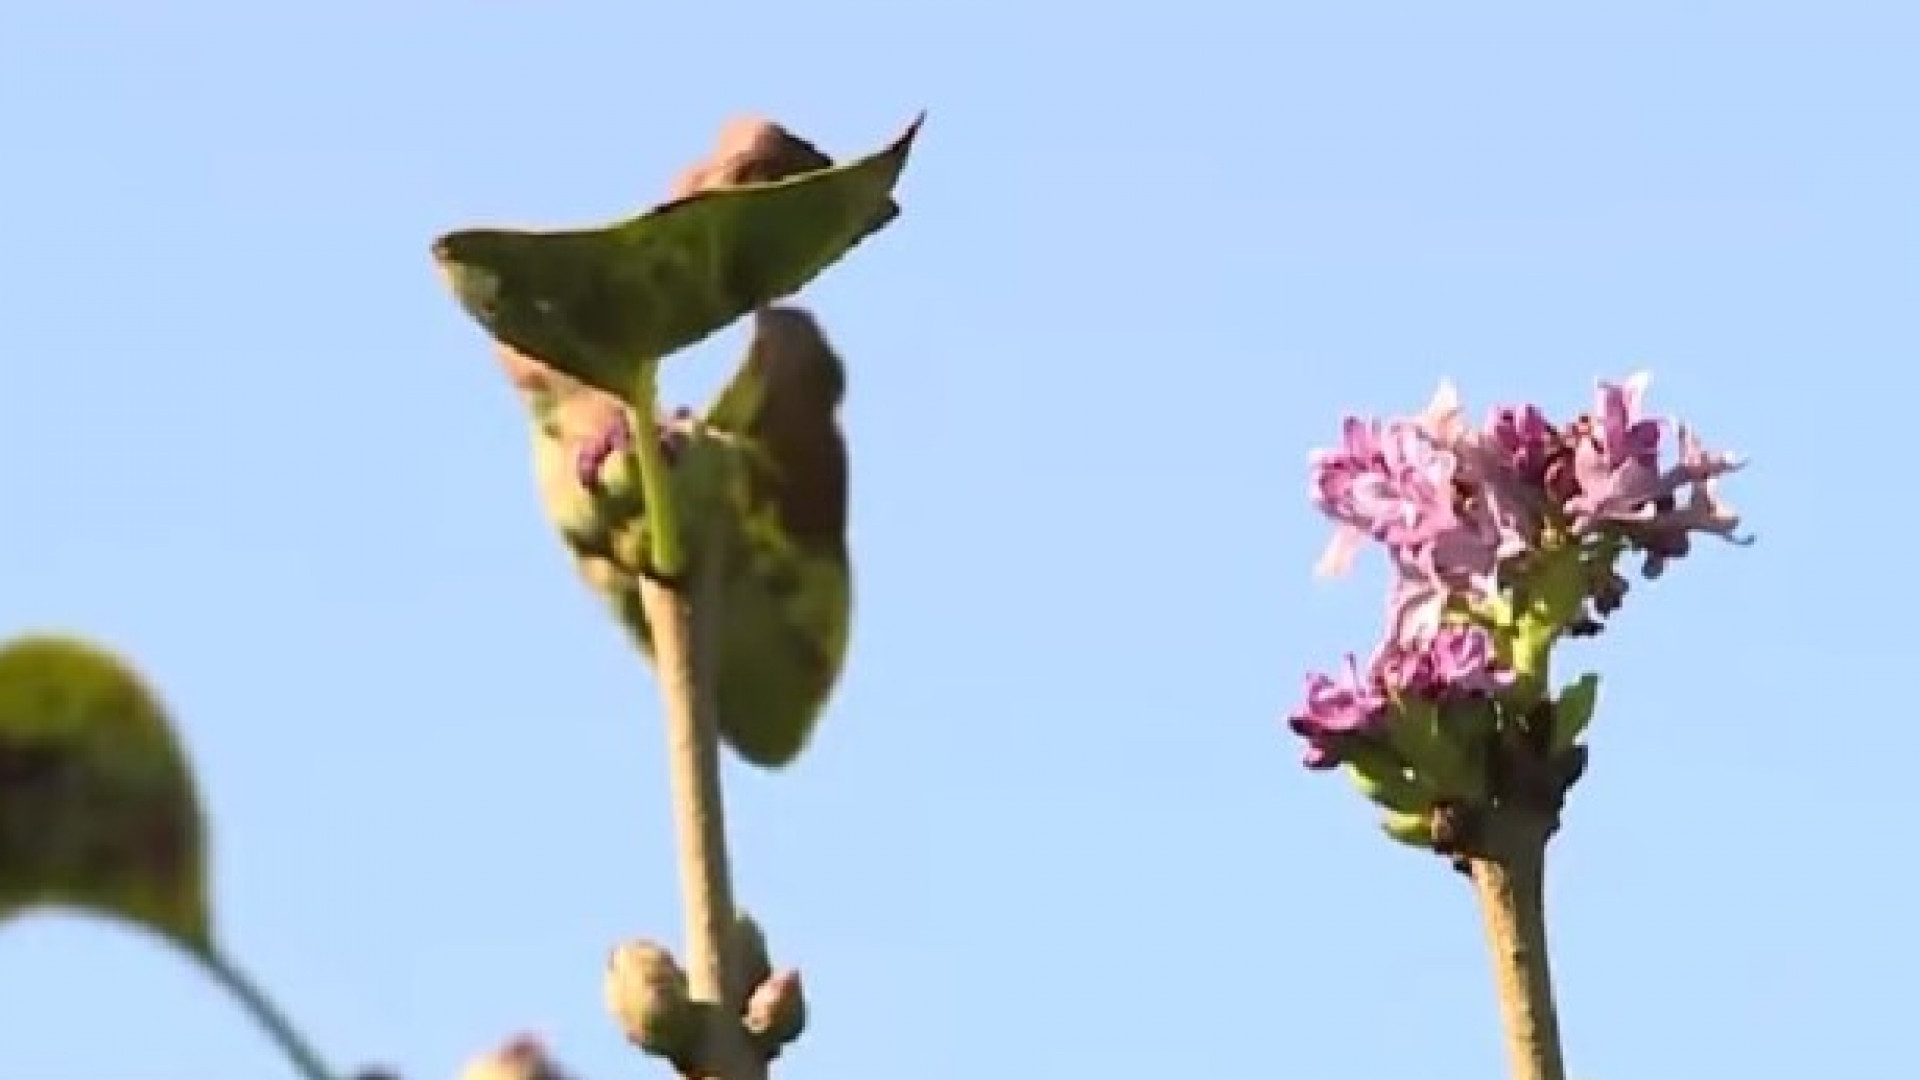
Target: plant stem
x=262, y=1010
x=656, y=482
x=683, y=629
x=1509, y=874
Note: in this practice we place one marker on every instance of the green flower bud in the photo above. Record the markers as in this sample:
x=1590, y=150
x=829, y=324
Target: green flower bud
x=579, y=519
x=617, y=486
x=628, y=547
x=1414, y=830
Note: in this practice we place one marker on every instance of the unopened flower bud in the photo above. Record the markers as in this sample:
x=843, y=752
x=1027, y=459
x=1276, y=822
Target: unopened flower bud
x=629, y=548
x=617, y=485
x=647, y=994
x=522, y=1058
x=776, y=1013
x=602, y=447
x=579, y=517
x=751, y=150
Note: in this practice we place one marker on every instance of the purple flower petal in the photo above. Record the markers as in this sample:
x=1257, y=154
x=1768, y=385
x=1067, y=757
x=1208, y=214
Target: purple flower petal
x=1345, y=704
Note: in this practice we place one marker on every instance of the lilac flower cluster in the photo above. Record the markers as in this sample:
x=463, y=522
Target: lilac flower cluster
x=1501, y=538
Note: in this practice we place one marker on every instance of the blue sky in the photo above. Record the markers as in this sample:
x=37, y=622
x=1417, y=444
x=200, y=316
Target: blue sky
x=1052, y=825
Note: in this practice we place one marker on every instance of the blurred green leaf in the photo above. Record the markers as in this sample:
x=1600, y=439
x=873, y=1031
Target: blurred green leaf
x=599, y=305
x=788, y=605
x=97, y=803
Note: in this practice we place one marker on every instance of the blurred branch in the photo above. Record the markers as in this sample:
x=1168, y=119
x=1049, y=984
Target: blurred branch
x=264, y=1012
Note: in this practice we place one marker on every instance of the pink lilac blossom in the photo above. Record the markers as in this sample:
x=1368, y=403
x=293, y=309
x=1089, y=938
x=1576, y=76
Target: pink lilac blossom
x=1350, y=703
x=1456, y=662
x=1520, y=441
x=1461, y=511
x=1426, y=489
x=1389, y=482
x=1621, y=488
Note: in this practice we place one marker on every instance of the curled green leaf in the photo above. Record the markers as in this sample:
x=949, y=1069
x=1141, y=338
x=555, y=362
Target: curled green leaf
x=600, y=305
x=97, y=803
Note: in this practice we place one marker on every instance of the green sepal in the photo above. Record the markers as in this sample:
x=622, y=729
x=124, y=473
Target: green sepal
x=1381, y=775
x=1574, y=711
x=1442, y=743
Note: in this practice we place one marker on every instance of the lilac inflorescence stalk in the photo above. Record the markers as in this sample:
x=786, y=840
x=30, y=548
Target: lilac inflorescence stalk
x=1501, y=539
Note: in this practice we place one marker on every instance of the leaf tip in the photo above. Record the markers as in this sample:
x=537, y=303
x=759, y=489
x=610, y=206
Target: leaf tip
x=903, y=144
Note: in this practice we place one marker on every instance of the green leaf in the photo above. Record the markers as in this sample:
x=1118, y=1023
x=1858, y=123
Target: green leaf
x=601, y=304
x=1574, y=711
x=97, y=803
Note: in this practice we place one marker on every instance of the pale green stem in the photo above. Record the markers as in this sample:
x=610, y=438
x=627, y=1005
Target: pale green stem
x=261, y=1009
x=683, y=629
x=1509, y=875
x=656, y=482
